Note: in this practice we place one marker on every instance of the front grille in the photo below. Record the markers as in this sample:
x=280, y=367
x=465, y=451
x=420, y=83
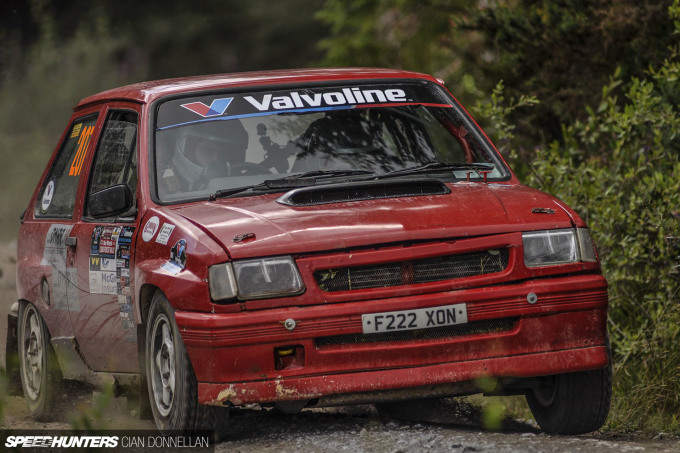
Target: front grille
x=458, y=330
x=411, y=272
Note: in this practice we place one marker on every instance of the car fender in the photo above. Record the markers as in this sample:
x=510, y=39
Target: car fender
x=173, y=255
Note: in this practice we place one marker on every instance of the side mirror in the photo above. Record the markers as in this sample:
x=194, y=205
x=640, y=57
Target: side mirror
x=110, y=202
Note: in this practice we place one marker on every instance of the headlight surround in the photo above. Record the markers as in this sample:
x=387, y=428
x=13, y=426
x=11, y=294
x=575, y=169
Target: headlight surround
x=563, y=246
x=256, y=279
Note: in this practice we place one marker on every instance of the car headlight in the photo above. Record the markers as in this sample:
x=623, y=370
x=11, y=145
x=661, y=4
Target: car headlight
x=550, y=247
x=586, y=245
x=222, y=282
x=255, y=279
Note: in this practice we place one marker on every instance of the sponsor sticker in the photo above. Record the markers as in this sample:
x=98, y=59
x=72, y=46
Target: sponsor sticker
x=178, y=258
x=108, y=264
x=76, y=130
x=64, y=290
x=171, y=267
x=94, y=242
x=110, y=254
x=103, y=283
x=150, y=228
x=302, y=99
x=107, y=247
x=127, y=319
x=48, y=194
x=54, y=252
x=216, y=108
x=164, y=234
x=178, y=253
x=344, y=96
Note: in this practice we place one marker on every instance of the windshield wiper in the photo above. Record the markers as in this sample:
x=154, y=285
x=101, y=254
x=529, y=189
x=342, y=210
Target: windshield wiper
x=289, y=182
x=438, y=166
x=309, y=178
x=226, y=192
x=320, y=174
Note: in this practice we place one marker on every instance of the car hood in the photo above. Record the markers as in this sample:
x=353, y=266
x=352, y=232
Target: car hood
x=260, y=226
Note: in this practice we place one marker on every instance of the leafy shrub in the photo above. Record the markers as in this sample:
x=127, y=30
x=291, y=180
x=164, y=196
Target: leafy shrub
x=619, y=168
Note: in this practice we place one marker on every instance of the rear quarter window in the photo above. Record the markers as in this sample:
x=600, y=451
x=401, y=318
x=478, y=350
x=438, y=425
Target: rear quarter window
x=57, y=198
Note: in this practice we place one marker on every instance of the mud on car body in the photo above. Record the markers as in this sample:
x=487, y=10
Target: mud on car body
x=299, y=239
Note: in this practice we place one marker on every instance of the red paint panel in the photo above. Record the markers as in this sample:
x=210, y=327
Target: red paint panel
x=287, y=389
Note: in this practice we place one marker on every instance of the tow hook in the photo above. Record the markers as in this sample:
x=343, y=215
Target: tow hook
x=289, y=324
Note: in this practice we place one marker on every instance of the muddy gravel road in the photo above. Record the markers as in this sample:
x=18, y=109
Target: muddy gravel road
x=362, y=429
x=453, y=425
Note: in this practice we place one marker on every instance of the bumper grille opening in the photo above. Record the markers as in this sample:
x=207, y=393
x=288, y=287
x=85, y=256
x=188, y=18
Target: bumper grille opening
x=471, y=328
x=411, y=272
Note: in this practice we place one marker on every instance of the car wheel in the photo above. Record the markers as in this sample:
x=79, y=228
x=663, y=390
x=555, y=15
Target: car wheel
x=572, y=403
x=38, y=367
x=172, y=385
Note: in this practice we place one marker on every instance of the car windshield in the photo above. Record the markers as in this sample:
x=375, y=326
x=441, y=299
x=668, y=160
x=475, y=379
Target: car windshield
x=220, y=143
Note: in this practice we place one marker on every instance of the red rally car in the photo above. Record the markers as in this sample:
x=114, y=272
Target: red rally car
x=302, y=238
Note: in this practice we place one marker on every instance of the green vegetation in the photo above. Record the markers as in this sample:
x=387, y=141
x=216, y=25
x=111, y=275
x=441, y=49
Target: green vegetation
x=581, y=97
x=561, y=52
x=619, y=168
x=630, y=199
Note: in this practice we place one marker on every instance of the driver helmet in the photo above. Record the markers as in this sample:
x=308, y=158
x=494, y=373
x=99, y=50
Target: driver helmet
x=210, y=144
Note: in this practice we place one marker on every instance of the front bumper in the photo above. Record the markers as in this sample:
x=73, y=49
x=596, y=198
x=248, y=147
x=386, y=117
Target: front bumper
x=234, y=355
x=528, y=365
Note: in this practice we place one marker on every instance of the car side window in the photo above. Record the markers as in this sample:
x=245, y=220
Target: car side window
x=57, y=198
x=116, y=158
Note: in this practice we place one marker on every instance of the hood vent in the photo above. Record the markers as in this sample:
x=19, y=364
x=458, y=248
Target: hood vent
x=364, y=190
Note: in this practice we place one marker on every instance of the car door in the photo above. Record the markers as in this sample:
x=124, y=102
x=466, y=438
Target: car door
x=103, y=322
x=46, y=259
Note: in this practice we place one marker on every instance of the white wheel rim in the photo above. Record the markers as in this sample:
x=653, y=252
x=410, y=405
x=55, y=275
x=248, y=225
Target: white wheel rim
x=32, y=356
x=162, y=360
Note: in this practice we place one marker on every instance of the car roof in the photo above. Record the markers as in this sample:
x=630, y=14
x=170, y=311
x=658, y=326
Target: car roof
x=147, y=92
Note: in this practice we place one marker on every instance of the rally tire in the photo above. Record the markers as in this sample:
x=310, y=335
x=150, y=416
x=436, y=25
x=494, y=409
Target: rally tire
x=38, y=367
x=172, y=385
x=572, y=403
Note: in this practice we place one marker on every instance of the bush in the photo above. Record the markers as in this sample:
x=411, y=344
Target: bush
x=619, y=168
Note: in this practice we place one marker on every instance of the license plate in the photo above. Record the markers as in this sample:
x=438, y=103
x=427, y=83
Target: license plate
x=421, y=318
